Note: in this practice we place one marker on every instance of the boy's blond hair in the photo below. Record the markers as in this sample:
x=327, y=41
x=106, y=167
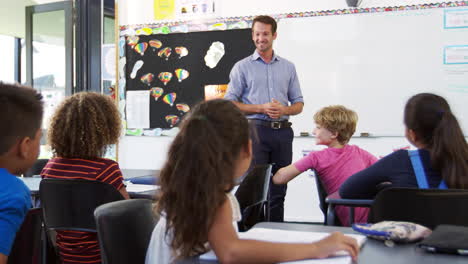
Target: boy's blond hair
x=339, y=119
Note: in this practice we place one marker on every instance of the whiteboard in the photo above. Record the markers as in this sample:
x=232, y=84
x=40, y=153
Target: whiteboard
x=372, y=63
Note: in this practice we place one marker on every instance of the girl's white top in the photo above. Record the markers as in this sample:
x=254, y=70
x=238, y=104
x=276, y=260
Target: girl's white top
x=159, y=250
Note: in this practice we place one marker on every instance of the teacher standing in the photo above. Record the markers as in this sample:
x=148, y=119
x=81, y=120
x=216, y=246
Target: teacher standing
x=266, y=88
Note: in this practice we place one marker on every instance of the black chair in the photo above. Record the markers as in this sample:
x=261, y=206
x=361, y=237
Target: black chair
x=27, y=246
x=69, y=204
x=252, y=195
x=322, y=195
x=124, y=230
x=329, y=201
x=428, y=207
x=30, y=240
x=36, y=168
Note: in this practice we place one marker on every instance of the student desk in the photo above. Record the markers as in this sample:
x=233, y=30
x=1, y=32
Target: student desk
x=373, y=251
x=33, y=183
x=141, y=176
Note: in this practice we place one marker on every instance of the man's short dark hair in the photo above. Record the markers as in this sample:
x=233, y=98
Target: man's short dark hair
x=266, y=20
x=20, y=114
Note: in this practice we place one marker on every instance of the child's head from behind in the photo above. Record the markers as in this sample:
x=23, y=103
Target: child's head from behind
x=84, y=125
x=423, y=115
x=21, y=118
x=203, y=160
x=430, y=124
x=338, y=121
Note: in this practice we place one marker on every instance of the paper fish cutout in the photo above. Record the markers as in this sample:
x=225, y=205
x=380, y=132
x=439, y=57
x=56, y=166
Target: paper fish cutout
x=156, y=92
x=122, y=63
x=144, y=31
x=166, y=52
x=182, y=51
x=122, y=46
x=154, y=43
x=214, y=54
x=128, y=32
x=172, y=120
x=181, y=74
x=170, y=98
x=141, y=48
x=132, y=41
x=239, y=25
x=122, y=83
x=183, y=107
x=136, y=68
x=218, y=26
x=147, y=78
x=179, y=28
x=161, y=30
x=165, y=77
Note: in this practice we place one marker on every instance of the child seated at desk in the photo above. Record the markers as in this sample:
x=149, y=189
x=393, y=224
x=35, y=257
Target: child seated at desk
x=21, y=118
x=196, y=208
x=442, y=149
x=82, y=128
x=335, y=126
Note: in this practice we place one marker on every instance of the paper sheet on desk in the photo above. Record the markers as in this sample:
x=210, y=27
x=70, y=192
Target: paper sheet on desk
x=287, y=236
x=141, y=187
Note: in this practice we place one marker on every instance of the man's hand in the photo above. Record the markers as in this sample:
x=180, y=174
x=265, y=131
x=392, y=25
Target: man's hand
x=274, y=109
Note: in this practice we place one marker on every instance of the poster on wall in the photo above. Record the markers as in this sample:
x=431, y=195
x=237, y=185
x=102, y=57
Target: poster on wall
x=164, y=9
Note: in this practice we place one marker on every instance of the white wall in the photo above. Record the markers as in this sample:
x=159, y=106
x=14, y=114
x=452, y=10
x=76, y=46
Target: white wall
x=301, y=200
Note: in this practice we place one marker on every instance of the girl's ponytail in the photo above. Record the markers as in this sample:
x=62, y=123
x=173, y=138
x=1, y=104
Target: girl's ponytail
x=435, y=126
x=449, y=151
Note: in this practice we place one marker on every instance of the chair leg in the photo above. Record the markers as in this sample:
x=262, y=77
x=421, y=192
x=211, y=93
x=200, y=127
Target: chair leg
x=330, y=215
x=44, y=242
x=266, y=211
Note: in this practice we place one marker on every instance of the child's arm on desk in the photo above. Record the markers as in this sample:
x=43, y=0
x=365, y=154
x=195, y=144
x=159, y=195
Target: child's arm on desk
x=230, y=249
x=285, y=174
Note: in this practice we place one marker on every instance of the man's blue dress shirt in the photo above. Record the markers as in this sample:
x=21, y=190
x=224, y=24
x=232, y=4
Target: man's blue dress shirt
x=252, y=81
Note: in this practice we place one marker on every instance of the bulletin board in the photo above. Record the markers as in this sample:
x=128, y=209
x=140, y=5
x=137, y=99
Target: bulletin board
x=190, y=74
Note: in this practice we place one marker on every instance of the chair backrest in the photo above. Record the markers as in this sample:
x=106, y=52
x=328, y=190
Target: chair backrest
x=27, y=246
x=322, y=195
x=124, y=230
x=252, y=195
x=428, y=207
x=69, y=204
x=36, y=168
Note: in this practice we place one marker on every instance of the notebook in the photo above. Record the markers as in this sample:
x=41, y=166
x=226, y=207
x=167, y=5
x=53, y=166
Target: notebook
x=447, y=239
x=289, y=236
x=141, y=187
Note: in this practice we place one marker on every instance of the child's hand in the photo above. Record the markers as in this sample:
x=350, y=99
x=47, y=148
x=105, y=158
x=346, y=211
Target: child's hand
x=337, y=242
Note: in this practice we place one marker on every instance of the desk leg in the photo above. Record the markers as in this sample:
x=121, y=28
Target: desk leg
x=330, y=215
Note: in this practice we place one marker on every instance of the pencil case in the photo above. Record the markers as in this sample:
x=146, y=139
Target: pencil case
x=393, y=231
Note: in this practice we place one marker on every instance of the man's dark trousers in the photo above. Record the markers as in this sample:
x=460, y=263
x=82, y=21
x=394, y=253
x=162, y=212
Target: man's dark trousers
x=272, y=145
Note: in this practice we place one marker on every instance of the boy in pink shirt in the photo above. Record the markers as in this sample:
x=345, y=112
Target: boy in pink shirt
x=334, y=127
